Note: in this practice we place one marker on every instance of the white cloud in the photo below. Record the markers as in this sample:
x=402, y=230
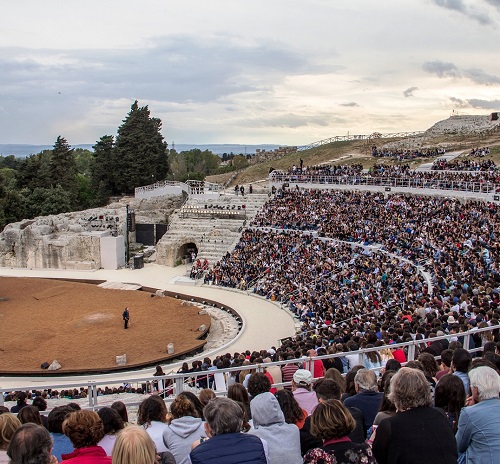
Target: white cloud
x=285, y=72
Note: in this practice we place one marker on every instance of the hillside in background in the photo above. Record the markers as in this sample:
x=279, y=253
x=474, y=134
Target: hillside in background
x=455, y=133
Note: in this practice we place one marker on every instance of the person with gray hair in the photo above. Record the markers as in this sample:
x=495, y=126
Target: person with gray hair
x=477, y=436
x=31, y=444
x=226, y=444
x=417, y=432
x=367, y=398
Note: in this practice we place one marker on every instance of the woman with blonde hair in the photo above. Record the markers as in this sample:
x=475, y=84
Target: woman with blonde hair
x=134, y=446
x=9, y=423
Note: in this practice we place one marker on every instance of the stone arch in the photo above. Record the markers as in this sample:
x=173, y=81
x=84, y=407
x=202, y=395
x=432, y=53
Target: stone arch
x=184, y=252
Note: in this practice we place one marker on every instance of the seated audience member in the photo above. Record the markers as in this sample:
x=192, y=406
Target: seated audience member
x=450, y=397
x=62, y=444
x=478, y=435
x=301, y=389
x=258, y=383
x=315, y=366
x=367, y=398
x=133, y=445
x=445, y=363
x=41, y=404
x=417, y=433
x=20, y=402
x=85, y=430
x=332, y=423
x=239, y=393
x=226, y=443
x=293, y=413
x=9, y=423
x=205, y=395
x=460, y=364
x=31, y=443
x=387, y=407
x=184, y=428
x=269, y=424
x=112, y=423
x=121, y=409
x=350, y=387
x=29, y=414
x=325, y=390
x=335, y=375
x=152, y=415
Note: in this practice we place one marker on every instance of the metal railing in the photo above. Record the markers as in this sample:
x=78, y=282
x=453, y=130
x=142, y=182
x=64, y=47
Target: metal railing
x=413, y=183
x=347, y=138
x=160, y=185
x=180, y=381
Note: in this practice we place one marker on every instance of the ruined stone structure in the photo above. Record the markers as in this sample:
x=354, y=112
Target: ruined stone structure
x=72, y=240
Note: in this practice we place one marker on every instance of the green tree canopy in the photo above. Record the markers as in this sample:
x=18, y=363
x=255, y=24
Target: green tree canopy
x=140, y=154
x=62, y=165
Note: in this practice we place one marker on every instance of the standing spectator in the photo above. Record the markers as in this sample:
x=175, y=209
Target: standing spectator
x=31, y=443
x=367, y=398
x=301, y=389
x=418, y=432
x=478, y=426
x=226, y=443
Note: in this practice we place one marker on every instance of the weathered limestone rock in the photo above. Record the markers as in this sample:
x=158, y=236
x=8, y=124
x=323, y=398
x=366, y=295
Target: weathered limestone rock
x=72, y=240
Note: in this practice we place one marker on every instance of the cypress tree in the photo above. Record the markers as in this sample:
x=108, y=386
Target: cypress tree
x=140, y=154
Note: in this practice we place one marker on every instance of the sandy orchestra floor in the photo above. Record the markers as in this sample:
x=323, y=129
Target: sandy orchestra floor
x=80, y=325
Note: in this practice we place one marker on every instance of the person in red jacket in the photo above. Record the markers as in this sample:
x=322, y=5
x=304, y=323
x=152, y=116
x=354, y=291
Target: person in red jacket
x=85, y=429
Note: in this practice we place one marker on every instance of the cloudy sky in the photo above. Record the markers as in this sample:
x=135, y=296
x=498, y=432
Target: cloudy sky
x=231, y=71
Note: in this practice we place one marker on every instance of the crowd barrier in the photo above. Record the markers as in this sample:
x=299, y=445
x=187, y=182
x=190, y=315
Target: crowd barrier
x=179, y=382
x=416, y=183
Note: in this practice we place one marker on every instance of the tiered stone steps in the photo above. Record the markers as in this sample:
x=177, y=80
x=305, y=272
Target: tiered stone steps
x=207, y=227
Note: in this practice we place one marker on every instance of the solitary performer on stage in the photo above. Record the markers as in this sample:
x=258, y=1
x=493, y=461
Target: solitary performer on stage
x=126, y=317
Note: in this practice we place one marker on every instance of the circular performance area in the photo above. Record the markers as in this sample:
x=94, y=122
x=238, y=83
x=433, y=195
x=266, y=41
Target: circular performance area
x=80, y=325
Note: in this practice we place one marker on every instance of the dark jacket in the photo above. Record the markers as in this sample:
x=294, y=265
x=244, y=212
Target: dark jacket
x=415, y=436
x=230, y=448
x=369, y=404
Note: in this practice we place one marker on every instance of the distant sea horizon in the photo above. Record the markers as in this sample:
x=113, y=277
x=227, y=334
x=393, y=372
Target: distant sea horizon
x=23, y=150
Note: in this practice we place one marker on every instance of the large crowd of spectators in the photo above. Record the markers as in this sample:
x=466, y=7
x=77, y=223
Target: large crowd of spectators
x=406, y=154
x=425, y=412
x=461, y=164
x=359, y=270
x=440, y=177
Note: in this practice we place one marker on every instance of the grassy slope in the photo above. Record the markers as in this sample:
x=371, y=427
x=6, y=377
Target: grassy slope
x=354, y=152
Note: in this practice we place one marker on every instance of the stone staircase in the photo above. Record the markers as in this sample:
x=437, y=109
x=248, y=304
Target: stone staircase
x=207, y=224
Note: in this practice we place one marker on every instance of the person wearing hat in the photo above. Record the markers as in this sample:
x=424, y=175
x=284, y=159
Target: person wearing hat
x=301, y=389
